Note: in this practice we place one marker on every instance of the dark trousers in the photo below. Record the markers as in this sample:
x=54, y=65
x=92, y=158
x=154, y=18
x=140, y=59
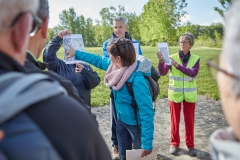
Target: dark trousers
x=113, y=120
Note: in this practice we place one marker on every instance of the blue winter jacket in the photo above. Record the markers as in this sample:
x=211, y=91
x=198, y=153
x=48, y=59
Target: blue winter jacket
x=84, y=81
x=127, y=35
x=123, y=100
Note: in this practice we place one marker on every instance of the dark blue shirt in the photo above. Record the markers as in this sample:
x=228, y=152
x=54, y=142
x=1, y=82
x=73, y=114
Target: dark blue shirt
x=84, y=81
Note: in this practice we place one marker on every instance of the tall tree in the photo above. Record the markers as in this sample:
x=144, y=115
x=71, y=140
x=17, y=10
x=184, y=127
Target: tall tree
x=160, y=19
x=134, y=25
x=105, y=26
x=188, y=27
x=77, y=25
x=89, y=32
x=50, y=35
x=69, y=20
x=225, y=4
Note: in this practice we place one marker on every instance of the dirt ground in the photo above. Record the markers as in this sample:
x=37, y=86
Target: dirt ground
x=208, y=117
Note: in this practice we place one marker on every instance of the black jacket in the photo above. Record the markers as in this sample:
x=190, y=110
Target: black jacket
x=84, y=81
x=33, y=66
x=65, y=122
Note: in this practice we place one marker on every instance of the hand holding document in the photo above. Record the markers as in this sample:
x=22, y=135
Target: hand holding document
x=76, y=42
x=136, y=154
x=136, y=47
x=163, y=47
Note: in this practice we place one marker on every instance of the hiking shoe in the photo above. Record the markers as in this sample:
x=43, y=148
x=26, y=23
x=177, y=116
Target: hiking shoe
x=192, y=151
x=173, y=150
x=115, y=153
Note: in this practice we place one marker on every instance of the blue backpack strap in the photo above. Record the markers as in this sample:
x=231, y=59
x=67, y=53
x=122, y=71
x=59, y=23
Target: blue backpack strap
x=25, y=140
x=25, y=91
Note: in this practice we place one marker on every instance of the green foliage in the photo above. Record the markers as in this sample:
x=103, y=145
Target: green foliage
x=188, y=27
x=89, y=33
x=50, y=35
x=134, y=25
x=159, y=22
x=160, y=19
x=102, y=33
x=104, y=28
x=210, y=36
x=77, y=25
x=225, y=4
x=206, y=85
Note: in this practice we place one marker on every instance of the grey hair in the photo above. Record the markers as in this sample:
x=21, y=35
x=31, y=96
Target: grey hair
x=43, y=9
x=231, y=44
x=120, y=18
x=9, y=9
x=188, y=36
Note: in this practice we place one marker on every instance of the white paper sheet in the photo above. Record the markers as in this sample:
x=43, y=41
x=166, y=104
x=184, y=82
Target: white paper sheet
x=163, y=47
x=136, y=47
x=75, y=41
x=136, y=154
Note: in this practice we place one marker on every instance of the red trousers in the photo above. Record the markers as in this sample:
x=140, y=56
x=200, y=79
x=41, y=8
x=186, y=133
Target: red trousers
x=188, y=111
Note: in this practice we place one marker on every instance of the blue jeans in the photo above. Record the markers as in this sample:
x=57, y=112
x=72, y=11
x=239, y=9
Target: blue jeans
x=126, y=135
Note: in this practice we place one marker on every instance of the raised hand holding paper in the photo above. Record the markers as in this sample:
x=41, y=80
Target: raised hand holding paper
x=163, y=47
x=76, y=42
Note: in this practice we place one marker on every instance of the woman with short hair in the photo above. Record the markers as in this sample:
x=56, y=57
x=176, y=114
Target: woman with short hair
x=182, y=90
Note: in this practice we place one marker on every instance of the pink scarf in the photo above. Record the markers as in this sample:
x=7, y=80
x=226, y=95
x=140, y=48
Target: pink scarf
x=116, y=77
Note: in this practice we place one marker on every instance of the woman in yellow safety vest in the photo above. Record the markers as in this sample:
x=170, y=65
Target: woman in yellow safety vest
x=182, y=90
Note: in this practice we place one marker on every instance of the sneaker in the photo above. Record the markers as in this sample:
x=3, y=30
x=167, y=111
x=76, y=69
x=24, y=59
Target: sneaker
x=192, y=151
x=173, y=150
x=115, y=153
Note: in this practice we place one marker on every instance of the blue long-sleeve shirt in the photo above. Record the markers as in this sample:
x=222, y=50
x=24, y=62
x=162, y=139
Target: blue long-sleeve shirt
x=127, y=35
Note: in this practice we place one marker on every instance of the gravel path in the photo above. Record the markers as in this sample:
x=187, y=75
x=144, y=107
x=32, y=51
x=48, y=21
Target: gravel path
x=208, y=117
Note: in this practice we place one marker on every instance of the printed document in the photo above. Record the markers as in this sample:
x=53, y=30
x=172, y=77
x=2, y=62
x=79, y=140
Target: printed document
x=163, y=47
x=76, y=42
x=136, y=47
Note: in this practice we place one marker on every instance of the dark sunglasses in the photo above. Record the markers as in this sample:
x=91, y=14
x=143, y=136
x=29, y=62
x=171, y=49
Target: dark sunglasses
x=214, y=68
x=35, y=24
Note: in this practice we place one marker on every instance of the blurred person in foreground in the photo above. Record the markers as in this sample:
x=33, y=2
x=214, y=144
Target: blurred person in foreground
x=225, y=143
x=35, y=46
x=70, y=131
x=37, y=40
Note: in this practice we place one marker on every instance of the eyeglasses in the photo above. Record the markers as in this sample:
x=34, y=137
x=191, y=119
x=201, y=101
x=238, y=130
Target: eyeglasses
x=183, y=42
x=35, y=24
x=214, y=69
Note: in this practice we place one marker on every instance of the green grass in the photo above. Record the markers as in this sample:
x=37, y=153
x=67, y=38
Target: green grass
x=206, y=85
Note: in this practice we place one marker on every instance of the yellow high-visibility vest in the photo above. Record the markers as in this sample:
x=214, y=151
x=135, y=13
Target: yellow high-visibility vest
x=182, y=87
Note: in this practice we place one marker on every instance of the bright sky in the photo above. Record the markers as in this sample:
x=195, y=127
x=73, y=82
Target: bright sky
x=199, y=11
